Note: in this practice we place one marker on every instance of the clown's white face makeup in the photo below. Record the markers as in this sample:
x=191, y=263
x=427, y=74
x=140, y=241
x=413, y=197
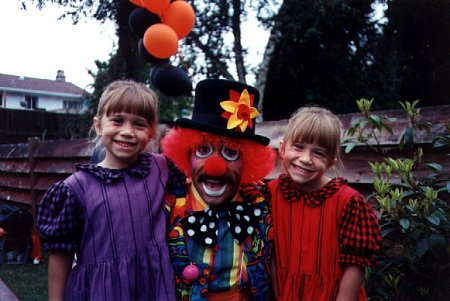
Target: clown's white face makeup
x=216, y=172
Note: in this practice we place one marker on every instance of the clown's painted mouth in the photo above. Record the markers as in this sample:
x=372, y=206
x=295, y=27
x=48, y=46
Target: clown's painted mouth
x=213, y=187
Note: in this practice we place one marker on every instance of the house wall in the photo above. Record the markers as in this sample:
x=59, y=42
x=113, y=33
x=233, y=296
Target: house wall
x=12, y=100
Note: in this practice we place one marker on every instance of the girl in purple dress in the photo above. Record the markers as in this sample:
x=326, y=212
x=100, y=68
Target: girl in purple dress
x=111, y=214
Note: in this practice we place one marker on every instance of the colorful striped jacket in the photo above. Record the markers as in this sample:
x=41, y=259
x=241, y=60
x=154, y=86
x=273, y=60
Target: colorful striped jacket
x=249, y=260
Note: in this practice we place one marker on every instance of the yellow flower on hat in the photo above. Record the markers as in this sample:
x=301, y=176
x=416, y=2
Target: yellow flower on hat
x=239, y=110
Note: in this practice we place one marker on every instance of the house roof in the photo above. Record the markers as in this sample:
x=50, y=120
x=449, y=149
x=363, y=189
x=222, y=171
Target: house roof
x=40, y=86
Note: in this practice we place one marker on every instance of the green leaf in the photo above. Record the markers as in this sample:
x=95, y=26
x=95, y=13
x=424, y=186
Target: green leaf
x=430, y=176
x=435, y=167
x=390, y=119
x=386, y=232
x=404, y=222
x=355, y=123
x=422, y=246
x=387, y=128
x=408, y=136
x=438, y=240
x=401, y=143
x=376, y=121
x=349, y=147
x=424, y=126
x=433, y=220
x=351, y=131
x=439, y=143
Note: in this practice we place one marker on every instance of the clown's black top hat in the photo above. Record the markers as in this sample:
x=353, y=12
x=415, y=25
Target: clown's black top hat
x=226, y=108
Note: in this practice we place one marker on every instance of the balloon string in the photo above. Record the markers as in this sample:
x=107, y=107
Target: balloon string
x=184, y=64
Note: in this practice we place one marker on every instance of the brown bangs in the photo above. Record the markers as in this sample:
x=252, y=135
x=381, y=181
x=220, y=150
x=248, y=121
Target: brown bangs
x=133, y=102
x=319, y=129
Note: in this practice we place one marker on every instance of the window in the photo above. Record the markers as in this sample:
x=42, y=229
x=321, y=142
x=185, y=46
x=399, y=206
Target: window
x=2, y=99
x=72, y=105
x=31, y=102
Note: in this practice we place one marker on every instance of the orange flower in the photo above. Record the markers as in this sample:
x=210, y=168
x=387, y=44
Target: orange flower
x=239, y=110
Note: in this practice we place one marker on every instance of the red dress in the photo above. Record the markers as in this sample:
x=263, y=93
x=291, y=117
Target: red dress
x=315, y=232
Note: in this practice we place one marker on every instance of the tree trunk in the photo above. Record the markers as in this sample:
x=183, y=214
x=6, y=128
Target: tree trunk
x=238, y=52
x=127, y=53
x=261, y=76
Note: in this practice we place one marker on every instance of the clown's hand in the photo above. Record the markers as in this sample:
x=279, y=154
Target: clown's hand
x=254, y=190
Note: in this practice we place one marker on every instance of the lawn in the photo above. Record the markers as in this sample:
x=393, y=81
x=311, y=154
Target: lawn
x=28, y=281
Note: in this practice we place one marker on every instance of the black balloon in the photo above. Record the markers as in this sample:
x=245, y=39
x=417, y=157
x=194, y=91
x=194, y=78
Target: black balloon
x=170, y=80
x=140, y=19
x=147, y=56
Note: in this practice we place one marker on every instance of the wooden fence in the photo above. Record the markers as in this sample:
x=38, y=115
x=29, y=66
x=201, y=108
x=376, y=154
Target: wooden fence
x=28, y=169
x=17, y=125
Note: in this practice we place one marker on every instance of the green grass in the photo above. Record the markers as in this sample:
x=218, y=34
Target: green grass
x=27, y=281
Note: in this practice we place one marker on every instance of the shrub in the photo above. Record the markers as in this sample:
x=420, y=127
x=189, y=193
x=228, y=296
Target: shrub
x=414, y=263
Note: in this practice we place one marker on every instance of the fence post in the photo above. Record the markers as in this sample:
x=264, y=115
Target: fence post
x=32, y=146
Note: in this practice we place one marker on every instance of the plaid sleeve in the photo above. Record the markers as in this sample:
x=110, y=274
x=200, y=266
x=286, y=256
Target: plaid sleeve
x=359, y=233
x=59, y=219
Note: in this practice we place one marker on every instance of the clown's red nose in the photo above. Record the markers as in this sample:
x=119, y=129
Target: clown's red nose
x=215, y=166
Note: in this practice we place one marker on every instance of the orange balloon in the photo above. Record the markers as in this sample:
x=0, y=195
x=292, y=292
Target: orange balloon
x=137, y=2
x=161, y=41
x=156, y=6
x=180, y=16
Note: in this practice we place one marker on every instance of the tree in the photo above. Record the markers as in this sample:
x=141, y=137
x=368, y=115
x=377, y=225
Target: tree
x=126, y=62
x=325, y=55
x=324, y=52
x=215, y=47
x=415, y=34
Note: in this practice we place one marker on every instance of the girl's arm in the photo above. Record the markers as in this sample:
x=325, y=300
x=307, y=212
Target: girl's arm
x=59, y=266
x=350, y=283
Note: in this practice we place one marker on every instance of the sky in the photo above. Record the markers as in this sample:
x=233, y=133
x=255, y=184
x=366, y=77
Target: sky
x=36, y=44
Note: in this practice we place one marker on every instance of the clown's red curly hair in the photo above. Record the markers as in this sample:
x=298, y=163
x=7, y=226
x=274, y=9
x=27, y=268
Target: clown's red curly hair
x=258, y=160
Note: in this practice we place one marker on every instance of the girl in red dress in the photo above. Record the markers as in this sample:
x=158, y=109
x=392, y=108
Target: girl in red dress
x=325, y=233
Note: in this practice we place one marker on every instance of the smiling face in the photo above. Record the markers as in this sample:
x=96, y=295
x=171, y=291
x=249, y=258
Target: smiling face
x=216, y=172
x=311, y=146
x=306, y=164
x=124, y=135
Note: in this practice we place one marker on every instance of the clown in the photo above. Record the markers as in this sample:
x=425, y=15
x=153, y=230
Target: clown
x=219, y=233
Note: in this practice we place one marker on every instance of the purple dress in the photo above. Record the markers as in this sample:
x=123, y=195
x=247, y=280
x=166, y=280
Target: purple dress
x=115, y=222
